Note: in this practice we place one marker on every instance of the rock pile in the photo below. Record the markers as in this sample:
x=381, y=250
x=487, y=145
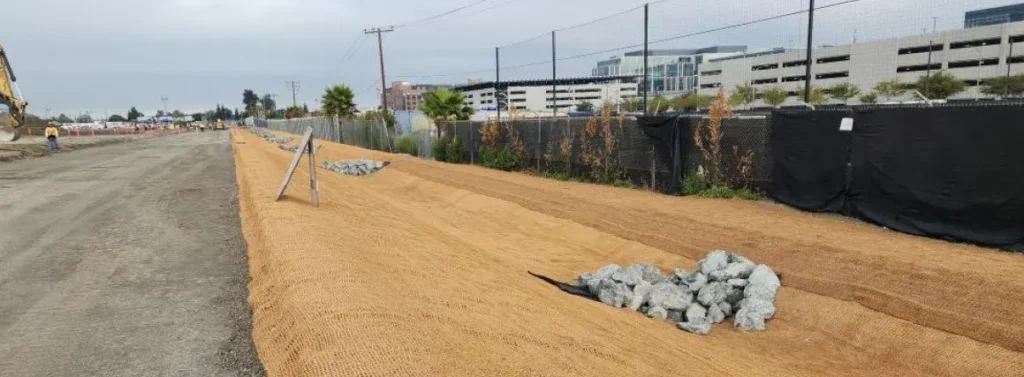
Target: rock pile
x=724, y=285
x=280, y=141
x=355, y=167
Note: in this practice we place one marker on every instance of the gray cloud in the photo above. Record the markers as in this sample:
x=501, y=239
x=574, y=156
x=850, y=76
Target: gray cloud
x=108, y=55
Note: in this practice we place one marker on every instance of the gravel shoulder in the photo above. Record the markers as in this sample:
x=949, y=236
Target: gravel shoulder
x=125, y=260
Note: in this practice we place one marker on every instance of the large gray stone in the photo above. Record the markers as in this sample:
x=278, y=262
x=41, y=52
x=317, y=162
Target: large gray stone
x=713, y=293
x=753, y=313
x=670, y=296
x=696, y=313
x=734, y=296
x=614, y=293
x=641, y=292
x=657, y=312
x=694, y=281
x=714, y=261
x=700, y=328
x=725, y=307
x=676, y=316
x=737, y=283
x=715, y=314
x=732, y=271
x=591, y=280
x=763, y=283
x=629, y=275
x=652, y=274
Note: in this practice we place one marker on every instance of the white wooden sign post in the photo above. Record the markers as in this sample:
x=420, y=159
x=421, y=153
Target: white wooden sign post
x=306, y=146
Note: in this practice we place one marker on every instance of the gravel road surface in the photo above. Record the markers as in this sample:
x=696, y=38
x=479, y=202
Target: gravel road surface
x=125, y=260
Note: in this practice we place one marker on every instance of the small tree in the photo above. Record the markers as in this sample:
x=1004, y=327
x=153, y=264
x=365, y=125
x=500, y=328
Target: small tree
x=584, y=106
x=338, y=101
x=658, y=104
x=869, y=98
x=817, y=97
x=442, y=105
x=775, y=96
x=843, y=92
x=691, y=102
x=64, y=119
x=294, y=112
x=1005, y=86
x=940, y=85
x=251, y=101
x=84, y=118
x=116, y=118
x=890, y=89
x=134, y=114
x=742, y=95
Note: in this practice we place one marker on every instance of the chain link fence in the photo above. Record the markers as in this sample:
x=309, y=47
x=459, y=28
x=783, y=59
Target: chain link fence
x=370, y=134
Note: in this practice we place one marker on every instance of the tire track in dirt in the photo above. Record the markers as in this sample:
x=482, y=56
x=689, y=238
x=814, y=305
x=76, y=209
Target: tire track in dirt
x=421, y=270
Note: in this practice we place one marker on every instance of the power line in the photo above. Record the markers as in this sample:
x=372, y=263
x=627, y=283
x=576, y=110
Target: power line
x=371, y=86
x=442, y=14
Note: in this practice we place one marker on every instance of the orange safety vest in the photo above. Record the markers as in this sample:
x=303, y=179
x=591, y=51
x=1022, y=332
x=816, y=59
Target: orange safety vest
x=52, y=131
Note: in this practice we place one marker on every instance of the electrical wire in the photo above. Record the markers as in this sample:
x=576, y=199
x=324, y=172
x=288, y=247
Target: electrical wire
x=440, y=15
x=371, y=86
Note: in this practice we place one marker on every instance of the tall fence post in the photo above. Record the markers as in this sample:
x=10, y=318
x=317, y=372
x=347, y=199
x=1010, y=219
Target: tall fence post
x=472, y=144
x=540, y=143
x=654, y=168
x=810, y=41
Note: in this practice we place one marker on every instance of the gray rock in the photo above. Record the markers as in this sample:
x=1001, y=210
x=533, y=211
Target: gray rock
x=658, y=313
x=641, y=292
x=732, y=271
x=762, y=283
x=696, y=313
x=679, y=276
x=715, y=314
x=753, y=313
x=676, y=315
x=670, y=296
x=629, y=275
x=734, y=296
x=700, y=328
x=652, y=274
x=726, y=308
x=714, y=261
x=695, y=281
x=737, y=283
x=614, y=293
x=592, y=279
x=713, y=293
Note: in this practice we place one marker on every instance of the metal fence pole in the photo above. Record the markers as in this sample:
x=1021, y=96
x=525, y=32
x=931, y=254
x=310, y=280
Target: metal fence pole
x=540, y=142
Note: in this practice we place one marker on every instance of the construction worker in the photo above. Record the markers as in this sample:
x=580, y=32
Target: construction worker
x=51, y=136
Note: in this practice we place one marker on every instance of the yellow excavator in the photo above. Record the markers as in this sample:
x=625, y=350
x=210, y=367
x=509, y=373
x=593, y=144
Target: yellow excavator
x=15, y=104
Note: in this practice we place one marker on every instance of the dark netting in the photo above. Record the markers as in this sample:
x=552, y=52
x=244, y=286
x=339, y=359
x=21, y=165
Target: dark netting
x=810, y=155
x=954, y=173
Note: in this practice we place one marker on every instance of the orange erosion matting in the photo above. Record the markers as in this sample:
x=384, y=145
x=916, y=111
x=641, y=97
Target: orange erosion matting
x=421, y=270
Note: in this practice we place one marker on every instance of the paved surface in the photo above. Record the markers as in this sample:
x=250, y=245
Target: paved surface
x=124, y=260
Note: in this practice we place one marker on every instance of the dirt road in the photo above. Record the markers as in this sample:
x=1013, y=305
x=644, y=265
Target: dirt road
x=124, y=260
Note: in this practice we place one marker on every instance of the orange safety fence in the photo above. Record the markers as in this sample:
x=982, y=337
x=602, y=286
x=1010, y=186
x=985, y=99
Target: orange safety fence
x=421, y=270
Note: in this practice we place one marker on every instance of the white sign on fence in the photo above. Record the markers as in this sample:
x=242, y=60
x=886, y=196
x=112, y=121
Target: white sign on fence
x=846, y=124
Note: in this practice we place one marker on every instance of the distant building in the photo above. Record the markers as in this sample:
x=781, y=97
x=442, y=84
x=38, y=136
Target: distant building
x=672, y=71
x=994, y=16
x=403, y=95
x=535, y=96
x=971, y=55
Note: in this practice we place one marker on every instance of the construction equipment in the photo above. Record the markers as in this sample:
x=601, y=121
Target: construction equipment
x=15, y=105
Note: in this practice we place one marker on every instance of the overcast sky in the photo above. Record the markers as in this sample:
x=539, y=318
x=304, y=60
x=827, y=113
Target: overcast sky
x=104, y=56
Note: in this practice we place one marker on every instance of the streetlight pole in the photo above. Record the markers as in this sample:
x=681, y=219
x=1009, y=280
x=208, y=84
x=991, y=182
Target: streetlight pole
x=810, y=46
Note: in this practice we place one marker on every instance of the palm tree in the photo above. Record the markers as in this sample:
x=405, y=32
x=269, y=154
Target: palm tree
x=444, y=105
x=338, y=101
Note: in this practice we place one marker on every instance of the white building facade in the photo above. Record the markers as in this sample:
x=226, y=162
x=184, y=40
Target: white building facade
x=536, y=96
x=971, y=55
x=673, y=71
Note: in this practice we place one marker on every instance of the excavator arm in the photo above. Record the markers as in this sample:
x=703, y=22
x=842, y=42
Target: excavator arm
x=15, y=105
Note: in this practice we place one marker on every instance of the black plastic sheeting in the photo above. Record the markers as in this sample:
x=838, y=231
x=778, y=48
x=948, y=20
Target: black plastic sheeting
x=670, y=135
x=810, y=156
x=567, y=288
x=955, y=173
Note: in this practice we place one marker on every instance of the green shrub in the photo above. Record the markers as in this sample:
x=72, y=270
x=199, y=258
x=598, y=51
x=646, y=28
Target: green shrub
x=694, y=184
x=407, y=145
x=561, y=176
x=440, y=149
x=455, y=150
x=625, y=183
x=501, y=158
x=725, y=192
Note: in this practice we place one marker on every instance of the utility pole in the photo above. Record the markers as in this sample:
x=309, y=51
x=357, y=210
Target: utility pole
x=380, y=53
x=497, y=78
x=293, y=86
x=554, y=78
x=165, y=104
x=810, y=46
x=646, y=7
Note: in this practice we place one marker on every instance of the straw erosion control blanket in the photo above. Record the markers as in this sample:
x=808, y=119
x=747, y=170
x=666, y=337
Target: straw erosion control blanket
x=421, y=270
